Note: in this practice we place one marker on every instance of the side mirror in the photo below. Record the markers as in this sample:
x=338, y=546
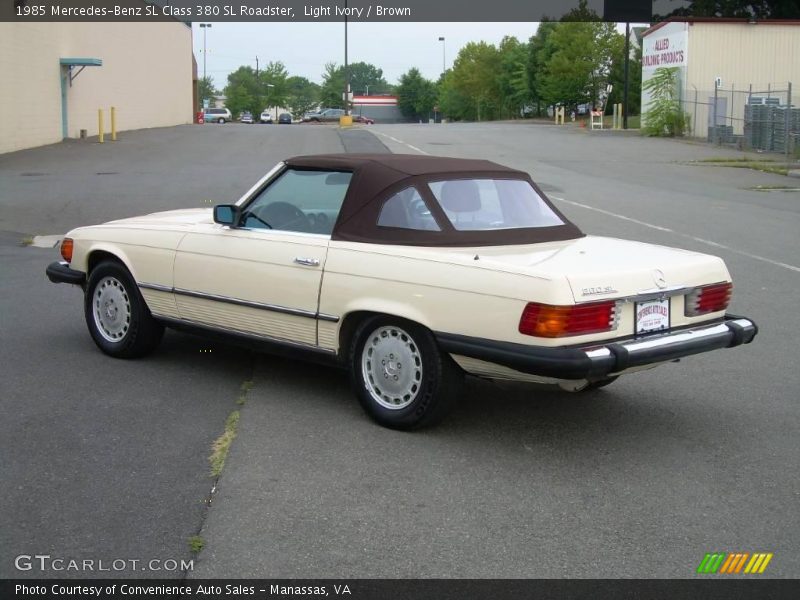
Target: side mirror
x=227, y=214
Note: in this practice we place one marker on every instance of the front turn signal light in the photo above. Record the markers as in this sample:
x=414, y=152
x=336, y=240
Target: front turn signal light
x=66, y=249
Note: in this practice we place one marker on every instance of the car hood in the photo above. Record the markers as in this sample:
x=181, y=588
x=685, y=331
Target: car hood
x=170, y=218
x=601, y=268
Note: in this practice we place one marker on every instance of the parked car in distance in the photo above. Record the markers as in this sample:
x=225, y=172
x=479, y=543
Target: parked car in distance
x=217, y=115
x=266, y=116
x=363, y=119
x=409, y=271
x=326, y=115
x=284, y=119
x=247, y=117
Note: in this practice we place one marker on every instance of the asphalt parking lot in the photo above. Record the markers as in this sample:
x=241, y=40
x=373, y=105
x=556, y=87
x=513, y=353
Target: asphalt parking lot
x=640, y=479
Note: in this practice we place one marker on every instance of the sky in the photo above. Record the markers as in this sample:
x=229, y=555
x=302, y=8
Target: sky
x=304, y=48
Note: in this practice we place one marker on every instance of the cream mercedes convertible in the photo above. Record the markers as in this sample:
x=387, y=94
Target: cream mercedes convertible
x=409, y=271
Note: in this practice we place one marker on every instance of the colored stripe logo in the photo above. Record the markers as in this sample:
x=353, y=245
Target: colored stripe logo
x=732, y=563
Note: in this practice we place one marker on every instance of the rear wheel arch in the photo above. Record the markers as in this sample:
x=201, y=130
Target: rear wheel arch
x=347, y=329
x=351, y=321
x=422, y=381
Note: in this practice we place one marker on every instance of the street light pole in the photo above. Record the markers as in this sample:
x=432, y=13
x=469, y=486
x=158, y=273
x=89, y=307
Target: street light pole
x=627, y=69
x=204, y=26
x=441, y=39
x=346, y=67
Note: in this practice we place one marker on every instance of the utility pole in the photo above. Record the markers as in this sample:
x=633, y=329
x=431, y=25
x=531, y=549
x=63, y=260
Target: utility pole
x=441, y=39
x=346, y=67
x=256, y=67
x=627, y=69
x=204, y=26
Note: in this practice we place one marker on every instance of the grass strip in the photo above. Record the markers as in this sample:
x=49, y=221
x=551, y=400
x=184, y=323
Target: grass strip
x=223, y=443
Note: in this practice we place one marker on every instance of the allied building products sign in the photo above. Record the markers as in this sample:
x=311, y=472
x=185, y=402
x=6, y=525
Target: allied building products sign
x=665, y=50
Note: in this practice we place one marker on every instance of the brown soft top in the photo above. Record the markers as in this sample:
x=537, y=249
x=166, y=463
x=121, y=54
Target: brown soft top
x=376, y=177
x=407, y=164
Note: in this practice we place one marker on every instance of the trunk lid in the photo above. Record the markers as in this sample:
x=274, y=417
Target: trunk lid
x=599, y=268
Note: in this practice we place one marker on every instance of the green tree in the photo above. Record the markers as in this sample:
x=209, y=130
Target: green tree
x=663, y=114
x=470, y=89
x=616, y=77
x=581, y=14
x=253, y=92
x=243, y=92
x=512, y=77
x=539, y=53
x=206, y=90
x=580, y=62
x=273, y=86
x=760, y=9
x=416, y=96
x=332, y=88
x=302, y=96
x=364, y=76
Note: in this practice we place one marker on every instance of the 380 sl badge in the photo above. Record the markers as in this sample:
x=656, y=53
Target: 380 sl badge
x=596, y=291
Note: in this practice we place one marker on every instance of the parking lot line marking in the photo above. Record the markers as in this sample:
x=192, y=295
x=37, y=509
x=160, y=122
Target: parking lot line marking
x=415, y=148
x=394, y=139
x=686, y=235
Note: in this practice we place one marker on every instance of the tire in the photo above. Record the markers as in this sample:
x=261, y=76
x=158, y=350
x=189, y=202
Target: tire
x=221, y=121
x=116, y=314
x=420, y=396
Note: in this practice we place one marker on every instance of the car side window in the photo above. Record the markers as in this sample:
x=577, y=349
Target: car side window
x=298, y=200
x=407, y=210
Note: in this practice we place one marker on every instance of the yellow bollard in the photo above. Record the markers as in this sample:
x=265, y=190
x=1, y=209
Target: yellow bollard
x=100, y=125
x=345, y=121
x=113, y=123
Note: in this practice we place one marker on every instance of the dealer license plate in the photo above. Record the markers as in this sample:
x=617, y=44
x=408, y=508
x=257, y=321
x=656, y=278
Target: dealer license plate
x=652, y=315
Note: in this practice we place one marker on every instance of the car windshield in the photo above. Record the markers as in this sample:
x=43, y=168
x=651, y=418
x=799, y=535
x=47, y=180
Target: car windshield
x=299, y=200
x=490, y=204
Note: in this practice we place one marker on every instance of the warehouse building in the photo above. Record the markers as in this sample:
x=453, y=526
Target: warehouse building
x=57, y=75
x=383, y=109
x=726, y=68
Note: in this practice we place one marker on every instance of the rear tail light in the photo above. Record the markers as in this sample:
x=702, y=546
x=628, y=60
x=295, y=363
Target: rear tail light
x=546, y=320
x=66, y=249
x=708, y=299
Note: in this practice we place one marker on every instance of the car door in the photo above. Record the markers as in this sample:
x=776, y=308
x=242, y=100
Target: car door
x=263, y=277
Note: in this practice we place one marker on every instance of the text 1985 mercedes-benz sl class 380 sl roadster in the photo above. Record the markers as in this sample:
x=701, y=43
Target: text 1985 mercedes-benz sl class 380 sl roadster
x=409, y=271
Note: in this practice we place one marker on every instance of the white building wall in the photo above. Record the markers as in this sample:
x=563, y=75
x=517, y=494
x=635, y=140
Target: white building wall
x=762, y=57
x=743, y=53
x=30, y=96
x=146, y=75
x=677, y=36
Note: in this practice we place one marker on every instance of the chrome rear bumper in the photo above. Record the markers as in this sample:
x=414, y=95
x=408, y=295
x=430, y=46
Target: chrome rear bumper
x=597, y=361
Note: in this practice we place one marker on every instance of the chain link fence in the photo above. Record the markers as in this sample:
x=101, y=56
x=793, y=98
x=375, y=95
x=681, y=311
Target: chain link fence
x=763, y=118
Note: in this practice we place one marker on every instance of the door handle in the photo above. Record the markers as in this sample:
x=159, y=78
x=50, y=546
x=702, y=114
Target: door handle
x=308, y=262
